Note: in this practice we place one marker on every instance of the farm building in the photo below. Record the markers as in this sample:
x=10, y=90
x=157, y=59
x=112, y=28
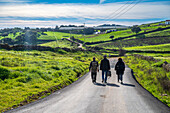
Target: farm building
x=167, y=22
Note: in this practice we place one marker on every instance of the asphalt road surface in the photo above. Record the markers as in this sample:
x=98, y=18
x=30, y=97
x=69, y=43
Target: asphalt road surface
x=85, y=97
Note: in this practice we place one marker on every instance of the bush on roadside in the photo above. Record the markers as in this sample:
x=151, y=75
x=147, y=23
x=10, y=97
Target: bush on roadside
x=4, y=73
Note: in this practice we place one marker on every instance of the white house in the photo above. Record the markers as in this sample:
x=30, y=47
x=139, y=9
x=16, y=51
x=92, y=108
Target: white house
x=167, y=22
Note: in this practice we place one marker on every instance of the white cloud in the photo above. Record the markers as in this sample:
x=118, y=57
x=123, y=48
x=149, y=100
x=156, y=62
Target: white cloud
x=101, y=1
x=14, y=1
x=44, y=23
x=34, y=23
x=81, y=12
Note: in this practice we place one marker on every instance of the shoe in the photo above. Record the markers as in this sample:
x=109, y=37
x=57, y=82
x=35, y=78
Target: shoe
x=121, y=82
x=102, y=81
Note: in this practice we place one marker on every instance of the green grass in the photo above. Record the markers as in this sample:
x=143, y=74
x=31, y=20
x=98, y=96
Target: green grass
x=56, y=35
x=60, y=43
x=162, y=56
x=105, y=37
x=11, y=35
x=124, y=33
x=130, y=43
x=24, y=73
x=159, y=33
x=161, y=47
x=152, y=77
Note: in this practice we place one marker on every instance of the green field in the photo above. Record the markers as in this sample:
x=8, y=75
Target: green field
x=60, y=43
x=105, y=37
x=161, y=47
x=24, y=73
x=56, y=35
x=49, y=35
x=159, y=33
x=11, y=35
x=124, y=33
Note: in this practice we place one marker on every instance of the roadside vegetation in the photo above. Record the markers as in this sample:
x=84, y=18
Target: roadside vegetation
x=24, y=74
x=163, y=57
x=151, y=76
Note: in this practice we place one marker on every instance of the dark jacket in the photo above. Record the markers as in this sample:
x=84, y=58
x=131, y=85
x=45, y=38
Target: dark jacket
x=120, y=67
x=105, y=65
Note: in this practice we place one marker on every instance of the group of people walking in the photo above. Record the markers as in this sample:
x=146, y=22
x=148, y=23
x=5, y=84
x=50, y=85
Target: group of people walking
x=105, y=67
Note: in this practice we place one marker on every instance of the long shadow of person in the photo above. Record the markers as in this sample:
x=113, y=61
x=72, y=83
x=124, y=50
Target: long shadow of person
x=125, y=84
x=113, y=85
x=99, y=84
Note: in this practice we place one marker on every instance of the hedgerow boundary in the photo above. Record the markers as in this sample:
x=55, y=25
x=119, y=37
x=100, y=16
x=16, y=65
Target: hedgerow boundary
x=44, y=94
x=40, y=48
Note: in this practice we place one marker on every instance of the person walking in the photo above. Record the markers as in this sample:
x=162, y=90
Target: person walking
x=105, y=67
x=120, y=68
x=94, y=68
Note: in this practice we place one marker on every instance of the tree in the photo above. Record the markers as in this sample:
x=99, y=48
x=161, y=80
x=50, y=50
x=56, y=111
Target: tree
x=111, y=37
x=27, y=28
x=20, y=39
x=56, y=28
x=4, y=34
x=7, y=40
x=88, y=31
x=31, y=37
x=135, y=29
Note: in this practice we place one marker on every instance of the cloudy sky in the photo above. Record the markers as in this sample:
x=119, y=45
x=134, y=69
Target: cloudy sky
x=49, y=13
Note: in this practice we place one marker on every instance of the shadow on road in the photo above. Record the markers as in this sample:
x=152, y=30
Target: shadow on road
x=113, y=85
x=125, y=84
x=99, y=84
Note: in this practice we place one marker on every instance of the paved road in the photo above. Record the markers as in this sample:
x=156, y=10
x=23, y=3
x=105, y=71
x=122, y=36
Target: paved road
x=85, y=97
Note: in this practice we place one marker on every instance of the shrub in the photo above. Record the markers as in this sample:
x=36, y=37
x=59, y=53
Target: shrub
x=158, y=64
x=15, y=74
x=4, y=73
x=9, y=64
x=28, y=78
x=61, y=51
x=24, y=79
x=55, y=67
x=46, y=77
x=6, y=87
x=57, y=74
x=21, y=79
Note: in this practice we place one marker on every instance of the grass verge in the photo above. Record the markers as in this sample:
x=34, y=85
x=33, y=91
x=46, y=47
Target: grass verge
x=26, y=76
x=152, y=77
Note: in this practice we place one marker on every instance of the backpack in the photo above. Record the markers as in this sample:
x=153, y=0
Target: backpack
x=94, y=67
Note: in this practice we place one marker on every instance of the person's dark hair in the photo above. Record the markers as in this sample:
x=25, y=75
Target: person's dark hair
x=94, y=58
x=120, y=59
